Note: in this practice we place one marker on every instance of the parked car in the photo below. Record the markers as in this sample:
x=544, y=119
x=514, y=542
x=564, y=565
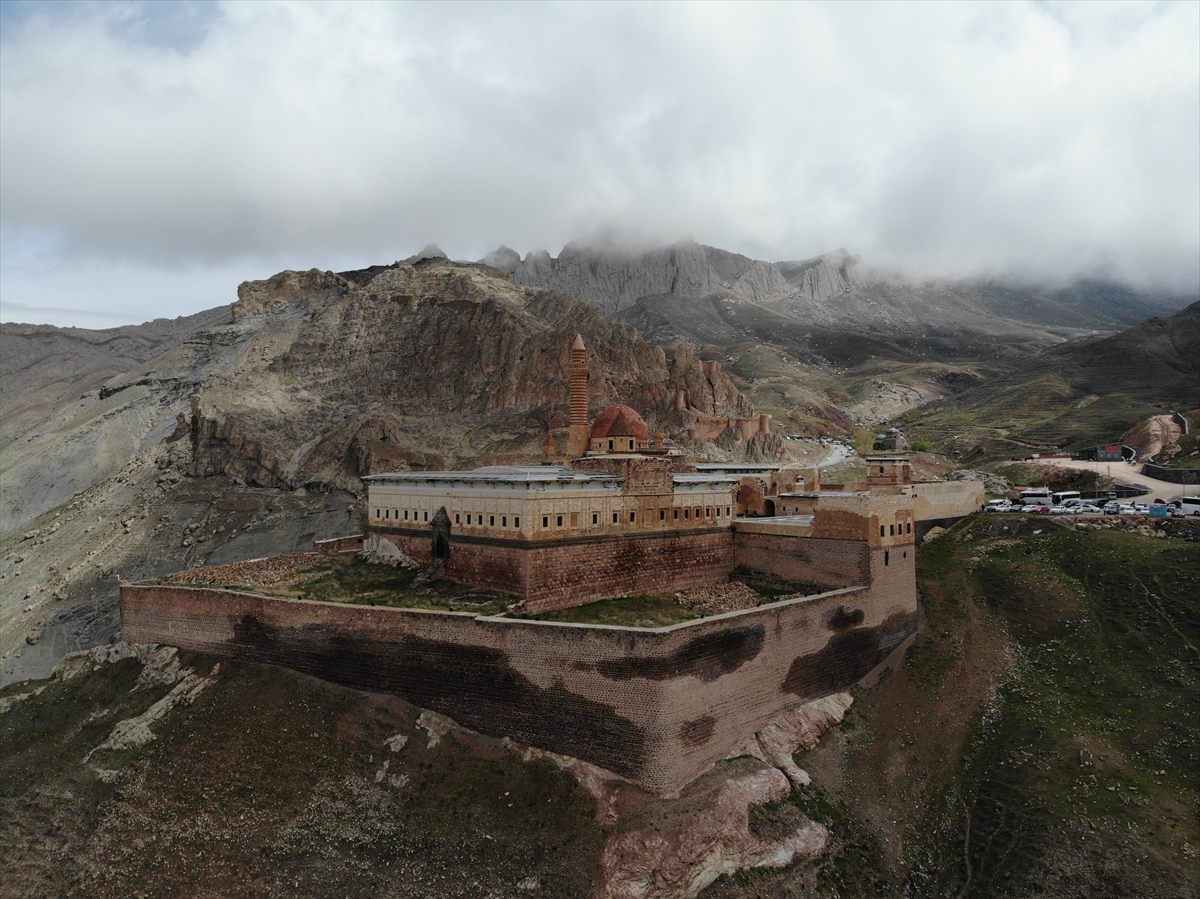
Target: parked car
x=1112, y=507
x=1060, y=510
x=1141, y=508
x=1176, y=512
x=1086, y=509
x=1127, y=509
x=1039, y=510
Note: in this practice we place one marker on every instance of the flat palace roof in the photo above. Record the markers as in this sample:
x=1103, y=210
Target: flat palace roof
x=732, y=467
x=499, y=474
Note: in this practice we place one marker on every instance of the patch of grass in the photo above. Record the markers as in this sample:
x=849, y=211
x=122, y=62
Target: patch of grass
x=657, y=610
x=347, y=579
x=853, y=864
x=1060, y=782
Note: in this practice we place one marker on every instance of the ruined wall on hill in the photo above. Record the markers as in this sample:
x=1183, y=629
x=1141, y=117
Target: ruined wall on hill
x=656, y=705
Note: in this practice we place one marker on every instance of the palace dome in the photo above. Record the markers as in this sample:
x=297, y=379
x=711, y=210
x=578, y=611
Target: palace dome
x=619, y=421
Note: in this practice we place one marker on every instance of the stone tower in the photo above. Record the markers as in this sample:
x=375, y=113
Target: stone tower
x=577, y=435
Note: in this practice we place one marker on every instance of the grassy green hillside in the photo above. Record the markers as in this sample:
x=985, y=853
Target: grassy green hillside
x=1041, y=738
x=1076, y=395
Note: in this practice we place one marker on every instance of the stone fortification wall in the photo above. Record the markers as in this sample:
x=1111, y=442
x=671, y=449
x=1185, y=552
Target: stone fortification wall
x=941, y=500
x=656, y=705
x=1171, y=475
x=546, y=574
x=838, y=563
x=351, y=544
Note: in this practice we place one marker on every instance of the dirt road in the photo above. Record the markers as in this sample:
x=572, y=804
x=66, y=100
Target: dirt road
x=1124, y=473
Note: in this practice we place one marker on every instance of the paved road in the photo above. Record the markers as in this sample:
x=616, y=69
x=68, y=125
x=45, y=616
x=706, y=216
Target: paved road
x=1124, y=473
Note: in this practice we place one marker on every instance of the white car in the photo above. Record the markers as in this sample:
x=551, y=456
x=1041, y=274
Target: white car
x=1141, y=508
x=1127, y=509
x=1086, y=509
x=1060, y=510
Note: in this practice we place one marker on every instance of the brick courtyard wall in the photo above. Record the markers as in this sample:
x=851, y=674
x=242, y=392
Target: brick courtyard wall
x=656, y=705
x=837, y=563
x=546, y=574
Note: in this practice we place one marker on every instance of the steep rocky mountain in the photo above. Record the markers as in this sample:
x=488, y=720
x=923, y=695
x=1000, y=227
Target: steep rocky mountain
x=310, y=381
x=831, y=309
x=43, y=367
x=614, y=278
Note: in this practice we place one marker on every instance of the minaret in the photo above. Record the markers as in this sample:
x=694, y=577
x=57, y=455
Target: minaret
x=577, y=435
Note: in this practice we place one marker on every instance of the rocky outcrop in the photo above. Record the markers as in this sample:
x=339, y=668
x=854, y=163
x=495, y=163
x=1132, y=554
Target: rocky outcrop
x=705, y=833
x=613, y=277
x=826, y=276
x=415, y=367
x=260, y=296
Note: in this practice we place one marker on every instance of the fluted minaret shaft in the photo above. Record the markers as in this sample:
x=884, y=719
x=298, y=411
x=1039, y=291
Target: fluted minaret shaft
x=577, y=436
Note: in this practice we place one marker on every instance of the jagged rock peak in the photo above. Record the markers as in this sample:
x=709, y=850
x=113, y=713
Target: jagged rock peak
x=432, y=251
x=826, y=275
x=614, y=276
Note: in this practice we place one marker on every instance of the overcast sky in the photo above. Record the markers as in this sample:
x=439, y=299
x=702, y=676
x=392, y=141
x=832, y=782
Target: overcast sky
x=152, y=156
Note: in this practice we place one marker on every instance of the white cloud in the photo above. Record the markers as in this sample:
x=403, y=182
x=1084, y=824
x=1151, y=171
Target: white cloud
x=1039, y=140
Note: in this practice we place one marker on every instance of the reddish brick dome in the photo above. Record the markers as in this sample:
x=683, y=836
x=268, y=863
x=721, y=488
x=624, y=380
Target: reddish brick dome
x=619, y=421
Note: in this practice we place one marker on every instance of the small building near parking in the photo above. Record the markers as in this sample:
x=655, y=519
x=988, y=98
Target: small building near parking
x=1106, y=452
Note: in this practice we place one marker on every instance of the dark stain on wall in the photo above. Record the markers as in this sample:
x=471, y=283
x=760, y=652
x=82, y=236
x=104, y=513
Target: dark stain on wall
x=699, y=731
x=841, y=619
x=847, y=658
x=474, y=685
x=707, y=657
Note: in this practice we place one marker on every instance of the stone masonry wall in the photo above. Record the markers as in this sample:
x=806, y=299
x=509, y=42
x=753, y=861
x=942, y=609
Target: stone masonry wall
x=655, y=705
x=838, y=563
x=546, y=575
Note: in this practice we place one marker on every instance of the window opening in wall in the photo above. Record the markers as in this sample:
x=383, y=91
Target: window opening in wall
x=727, y=512
x=516, y=521
x=406, y=514
x=615, y=518
x=882, y=530
x=560, y=521
x=687, y=513
x=718, y=511
x=456, y=518
x=545, y=521
x=595, y=518
x=633, y=516
x=906, y=554
x=491, y=521
x=610, y=444
x=697, y=512
x=908, y=527
x=376, y=513
x=387, y=513
x=662, y=514
x=426, y=516
x=676, y=515
x=891, y=530
x=885, y=557
x=708, y=513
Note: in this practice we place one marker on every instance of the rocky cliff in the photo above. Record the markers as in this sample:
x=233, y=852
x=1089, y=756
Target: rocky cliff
x=833, y=308
x=614, y=278
x=320, y=378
